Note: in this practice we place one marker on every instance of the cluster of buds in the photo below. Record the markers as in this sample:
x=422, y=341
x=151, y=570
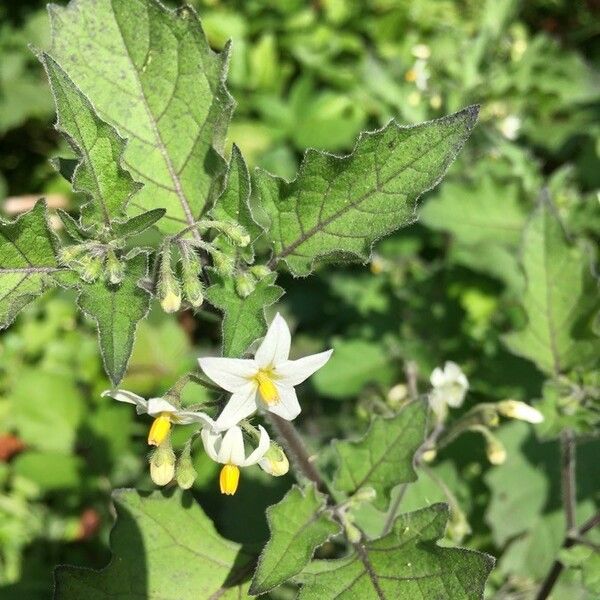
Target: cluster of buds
x=94, y=259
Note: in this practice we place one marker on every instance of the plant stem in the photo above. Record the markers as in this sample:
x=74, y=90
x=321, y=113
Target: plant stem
x=568, y=463
x=571, y=539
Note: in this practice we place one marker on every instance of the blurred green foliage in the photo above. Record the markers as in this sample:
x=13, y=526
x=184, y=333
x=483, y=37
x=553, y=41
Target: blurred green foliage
x=314, y=75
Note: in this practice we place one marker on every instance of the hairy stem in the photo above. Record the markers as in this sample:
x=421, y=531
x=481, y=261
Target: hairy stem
x=568, y=463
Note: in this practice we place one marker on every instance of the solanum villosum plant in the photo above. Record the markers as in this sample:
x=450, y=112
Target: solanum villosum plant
x=141, y=99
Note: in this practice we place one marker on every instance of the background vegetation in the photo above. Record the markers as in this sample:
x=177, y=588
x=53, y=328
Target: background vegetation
x=448, y=288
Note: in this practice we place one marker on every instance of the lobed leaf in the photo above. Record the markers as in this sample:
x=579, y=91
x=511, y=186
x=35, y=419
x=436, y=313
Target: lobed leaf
x=163, y=548
x=151, y=74
x=383, y=457
x=560, y=300
x=27, y=261
x=338, y=206
x=298, y=525
x=404, y=565
x=99, y=173
x=117, y=310
x=243, y=318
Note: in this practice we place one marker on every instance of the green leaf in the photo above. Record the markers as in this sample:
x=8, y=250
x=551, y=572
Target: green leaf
x=150, y=73
x=244, y=318
x=343, y=376
x=298, y=524
x=163, y=548
x=404, y=565
x=338, y=206
x=27, y=261
x=117, y=309
x=139, y=223
x=560, y=299
x=99, y=173
x=383, y=457
x=477, y=213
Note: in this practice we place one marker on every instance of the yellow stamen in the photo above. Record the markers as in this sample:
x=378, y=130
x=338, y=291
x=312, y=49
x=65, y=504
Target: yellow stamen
x=266, y=388
x=160, y=429
x=229, y=479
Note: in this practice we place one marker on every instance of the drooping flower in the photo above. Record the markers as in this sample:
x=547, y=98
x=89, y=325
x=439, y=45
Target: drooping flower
x=450, y=386
x=266, y=381
x=519, y=410
x=165, y=414
x=228, y=449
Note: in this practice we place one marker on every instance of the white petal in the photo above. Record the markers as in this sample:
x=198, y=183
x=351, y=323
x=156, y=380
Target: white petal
x=452, y=371
x=240, y=405
x=232, y=447
x=275, y=348
x=229, y=373
x=438, y=377
x=293, y=372
x=141, y=405
x=288, y=407
x=158, y=405
x=263, y=446
x=210, y=439
x=187, y=416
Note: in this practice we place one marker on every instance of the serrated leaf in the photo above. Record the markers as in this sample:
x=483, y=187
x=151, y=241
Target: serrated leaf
x=99, y=173
x=27, y=261
x=243, y=318
x=139, y=223
x=560, y=299
x=404, y=565
x=298, y=524
x=338, y=206
x=150, y=73
x=163, y=548
x=383, y=457
x=117, y=309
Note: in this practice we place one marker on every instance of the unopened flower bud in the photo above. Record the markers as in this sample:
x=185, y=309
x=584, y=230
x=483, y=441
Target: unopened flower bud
x=353, y=533
x=458, y=526
x=237, y=234
x=223, y=263
x=168, y=290
x=191, y=268
x=260, y=271
x=185, y=472
x=429, y=455
x=115, y=269
x=275, y=462
x=90, y=267
x=519, y=410
x=68, y=254
x=162, y=464
x=365, y=494
x=397, y=394
x=245, y=284
x=495, y=450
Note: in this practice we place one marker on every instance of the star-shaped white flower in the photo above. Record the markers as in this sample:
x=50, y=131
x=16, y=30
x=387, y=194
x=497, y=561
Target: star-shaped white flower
x=450, y=386
x=228, y=449
x=267, y=380
x=163, y=411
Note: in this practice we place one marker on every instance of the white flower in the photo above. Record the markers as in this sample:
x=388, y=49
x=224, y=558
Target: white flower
x=510, y=127
x=450, y=386
x=267, y=380
x=228, y=449
x=519, y=410
x=164, y=412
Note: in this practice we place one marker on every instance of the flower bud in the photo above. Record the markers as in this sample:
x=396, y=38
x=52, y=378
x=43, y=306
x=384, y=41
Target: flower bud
x=353, y=533
x=458, y=526
x=236, y=233
x=260, y=271
x=397, y=394
x=90, y=267
x=191, y=268
x=245, y=284
x=168, y=290
x=185, y=472
x=275, y=462
x=223, y=263
x=495, y=450
x=365, y=494
x=68, y=254
x=429, y=455
x=162, y=464
x=519, y=410
x=115, y=269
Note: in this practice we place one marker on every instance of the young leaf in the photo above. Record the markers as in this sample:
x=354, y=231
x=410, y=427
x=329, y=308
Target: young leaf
x=99, y=173
x=383, y=458
x=163, y=547
x=117, y=309
x=138, y=223
x=27, y=261
x=561, y=296
x=298, y=524
x=244, y=318
x=404, y=565
x=338, y=206
x=150, y=73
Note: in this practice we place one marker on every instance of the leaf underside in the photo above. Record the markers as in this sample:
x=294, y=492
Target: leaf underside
x=338, y=206
x=150, y=73
x=164, y=548
x=406, y=564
